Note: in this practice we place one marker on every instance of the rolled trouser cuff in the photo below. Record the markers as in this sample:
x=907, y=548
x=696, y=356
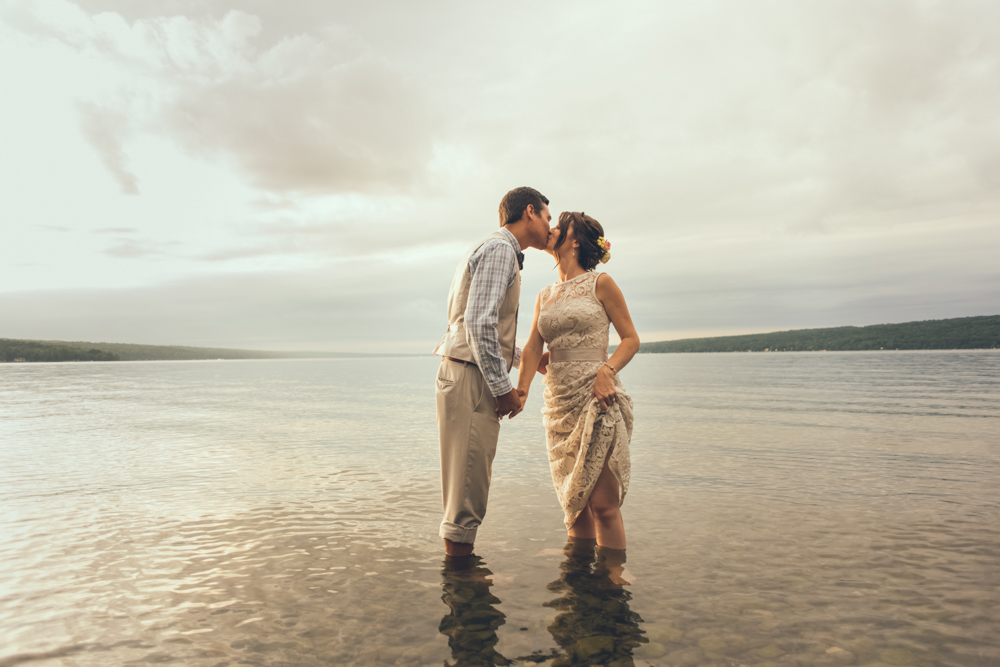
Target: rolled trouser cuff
x=456, y=533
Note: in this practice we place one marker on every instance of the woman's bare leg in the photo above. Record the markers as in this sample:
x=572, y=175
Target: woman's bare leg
x=583, y=527
x=613, y=561
x=604, y=505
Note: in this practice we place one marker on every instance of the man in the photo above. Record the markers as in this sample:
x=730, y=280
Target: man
x=474, y=390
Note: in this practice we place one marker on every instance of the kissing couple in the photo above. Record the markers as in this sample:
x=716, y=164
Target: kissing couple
x=587, y=414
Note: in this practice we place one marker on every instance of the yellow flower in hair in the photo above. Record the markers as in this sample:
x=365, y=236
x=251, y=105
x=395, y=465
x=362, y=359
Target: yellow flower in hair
x=605, y=245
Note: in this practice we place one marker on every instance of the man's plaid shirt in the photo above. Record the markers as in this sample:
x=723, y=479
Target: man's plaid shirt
x=493, y=268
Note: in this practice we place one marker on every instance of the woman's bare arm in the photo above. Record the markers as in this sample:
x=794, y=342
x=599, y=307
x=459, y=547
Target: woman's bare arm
x=613, y=300
x=531, y=355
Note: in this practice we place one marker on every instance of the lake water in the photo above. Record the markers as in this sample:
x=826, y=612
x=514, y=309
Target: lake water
x=785, y=509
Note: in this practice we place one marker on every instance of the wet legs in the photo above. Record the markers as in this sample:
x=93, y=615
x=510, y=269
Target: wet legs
x=602, y=517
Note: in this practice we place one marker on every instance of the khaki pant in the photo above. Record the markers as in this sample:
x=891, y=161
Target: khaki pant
x=468, y=427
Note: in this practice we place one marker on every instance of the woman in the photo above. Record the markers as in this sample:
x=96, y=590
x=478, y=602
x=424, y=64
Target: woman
x=587, y=414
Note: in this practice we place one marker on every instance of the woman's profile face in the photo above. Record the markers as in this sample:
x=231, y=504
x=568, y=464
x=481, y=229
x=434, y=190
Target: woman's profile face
x=567, y=243
x=551, y=243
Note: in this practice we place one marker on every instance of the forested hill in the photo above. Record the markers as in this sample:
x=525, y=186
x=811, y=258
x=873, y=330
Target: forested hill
x=963, y=333
x=55, y=350
x=34, y=350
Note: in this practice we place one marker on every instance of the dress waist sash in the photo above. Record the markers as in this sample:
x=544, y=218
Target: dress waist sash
x=578, y=354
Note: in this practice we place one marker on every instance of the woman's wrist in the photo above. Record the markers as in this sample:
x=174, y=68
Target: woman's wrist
x=611, y=369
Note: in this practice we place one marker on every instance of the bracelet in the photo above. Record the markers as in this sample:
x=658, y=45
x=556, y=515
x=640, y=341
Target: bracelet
x=613, y=371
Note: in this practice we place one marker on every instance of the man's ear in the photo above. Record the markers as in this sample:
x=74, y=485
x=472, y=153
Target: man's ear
x=529, y=211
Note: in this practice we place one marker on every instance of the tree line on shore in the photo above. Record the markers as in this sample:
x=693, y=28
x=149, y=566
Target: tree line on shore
x=12, y=350
x=962, y=333
x=30, y=350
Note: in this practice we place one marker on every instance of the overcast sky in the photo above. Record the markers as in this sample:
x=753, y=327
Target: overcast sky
x=306, y=175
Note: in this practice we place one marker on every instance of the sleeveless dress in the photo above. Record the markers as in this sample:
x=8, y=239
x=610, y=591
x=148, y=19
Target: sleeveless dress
x=573, y=323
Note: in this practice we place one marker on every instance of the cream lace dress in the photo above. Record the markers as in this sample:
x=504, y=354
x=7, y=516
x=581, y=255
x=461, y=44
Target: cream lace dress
x=579, y=435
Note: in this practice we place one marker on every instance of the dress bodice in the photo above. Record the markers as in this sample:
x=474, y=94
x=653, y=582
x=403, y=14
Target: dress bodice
x=570, y=314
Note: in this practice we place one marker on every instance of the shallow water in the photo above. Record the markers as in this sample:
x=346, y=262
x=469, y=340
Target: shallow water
x=788, y=509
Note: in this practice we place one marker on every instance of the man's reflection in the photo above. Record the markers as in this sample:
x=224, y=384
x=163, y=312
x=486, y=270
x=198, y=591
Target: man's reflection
x=472, y=624
x=595, y=626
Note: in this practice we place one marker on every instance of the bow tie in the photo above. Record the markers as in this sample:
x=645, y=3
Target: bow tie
x=520, y=261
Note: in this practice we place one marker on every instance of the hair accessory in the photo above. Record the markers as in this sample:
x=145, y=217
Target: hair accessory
x=605, y=245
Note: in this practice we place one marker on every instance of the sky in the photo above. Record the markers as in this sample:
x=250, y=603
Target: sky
x=306, y=175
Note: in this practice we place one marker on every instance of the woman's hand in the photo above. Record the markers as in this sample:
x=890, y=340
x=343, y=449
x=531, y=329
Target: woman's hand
x=543, y=364
x=604, y=387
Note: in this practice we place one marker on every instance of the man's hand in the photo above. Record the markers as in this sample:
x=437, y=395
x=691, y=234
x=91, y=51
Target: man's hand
x=523, y=395
x=509, y=404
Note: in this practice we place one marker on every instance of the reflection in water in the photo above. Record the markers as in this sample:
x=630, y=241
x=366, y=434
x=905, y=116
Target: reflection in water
x=595, y=626
x=472, y=624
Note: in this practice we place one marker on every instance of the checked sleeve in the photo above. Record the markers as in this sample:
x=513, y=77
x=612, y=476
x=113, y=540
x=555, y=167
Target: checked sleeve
x=493, y=268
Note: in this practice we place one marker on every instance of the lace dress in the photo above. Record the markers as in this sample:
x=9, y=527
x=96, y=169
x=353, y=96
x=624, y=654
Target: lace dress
x=578, y=433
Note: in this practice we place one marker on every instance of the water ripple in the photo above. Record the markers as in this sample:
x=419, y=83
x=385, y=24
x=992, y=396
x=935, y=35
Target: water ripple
x=820, y=509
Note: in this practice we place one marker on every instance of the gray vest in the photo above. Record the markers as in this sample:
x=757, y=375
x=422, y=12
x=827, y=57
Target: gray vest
x=455, y=342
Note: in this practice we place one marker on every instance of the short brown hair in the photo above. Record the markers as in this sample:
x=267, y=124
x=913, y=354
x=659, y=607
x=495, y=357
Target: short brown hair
x=587, y=231
x=515, y=202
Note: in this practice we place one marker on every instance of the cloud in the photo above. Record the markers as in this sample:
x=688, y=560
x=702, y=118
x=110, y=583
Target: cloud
x=275, y=204
x=133, y=249
x=106, y=131
x=115, y=230
x=345, y=237
x=309, y=113
x=326, y=127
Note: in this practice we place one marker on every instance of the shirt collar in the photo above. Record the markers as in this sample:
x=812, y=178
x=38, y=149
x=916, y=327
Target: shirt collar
x=511, y=238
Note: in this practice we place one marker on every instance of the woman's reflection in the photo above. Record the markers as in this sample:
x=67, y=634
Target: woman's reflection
x=472, y=624
x=595, y=626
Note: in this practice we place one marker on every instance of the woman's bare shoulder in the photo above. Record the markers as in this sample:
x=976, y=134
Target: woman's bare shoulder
x=604, y=281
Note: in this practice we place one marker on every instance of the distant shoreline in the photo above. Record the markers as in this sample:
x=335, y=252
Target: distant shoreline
x=30, y=351
x=962, y=333
x=379, y=355
x=157, y=361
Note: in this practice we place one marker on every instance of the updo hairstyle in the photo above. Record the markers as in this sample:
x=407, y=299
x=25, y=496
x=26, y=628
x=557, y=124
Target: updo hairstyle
x=587, y=231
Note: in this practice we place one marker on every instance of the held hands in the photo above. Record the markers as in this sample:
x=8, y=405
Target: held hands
x=604, y=388
x=509, y=404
